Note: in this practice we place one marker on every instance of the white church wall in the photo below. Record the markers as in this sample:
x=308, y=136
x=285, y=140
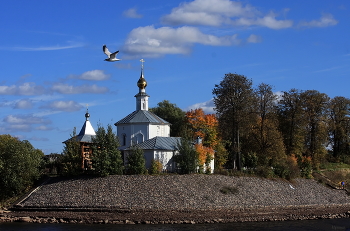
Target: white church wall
x=167, y=159
x=159, y=130
x=134, y=134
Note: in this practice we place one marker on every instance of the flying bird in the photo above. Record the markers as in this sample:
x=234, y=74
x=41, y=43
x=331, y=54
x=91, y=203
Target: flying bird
x=111, y=56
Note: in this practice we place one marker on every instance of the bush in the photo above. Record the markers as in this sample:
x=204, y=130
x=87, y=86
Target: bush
x=264, y=171
x=156, y=167
x=305, y=164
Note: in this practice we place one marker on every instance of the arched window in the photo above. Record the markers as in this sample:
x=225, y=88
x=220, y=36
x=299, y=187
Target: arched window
x=139, y=138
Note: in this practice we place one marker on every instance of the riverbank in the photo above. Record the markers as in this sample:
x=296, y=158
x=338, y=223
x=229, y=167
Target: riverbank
x=178, y=199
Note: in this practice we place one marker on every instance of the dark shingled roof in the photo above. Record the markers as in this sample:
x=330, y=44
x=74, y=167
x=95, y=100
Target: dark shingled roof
x=81, y=138
x=142, y=116
x=160, y=143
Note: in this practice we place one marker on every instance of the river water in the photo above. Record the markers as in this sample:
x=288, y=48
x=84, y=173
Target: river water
x=317, y=225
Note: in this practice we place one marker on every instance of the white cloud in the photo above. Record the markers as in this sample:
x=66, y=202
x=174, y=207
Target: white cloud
x=22, y=123
x=67, y=106
x=17, y=127
x=43, y=128
x=166, y=40
x=324, y=21
x=132, y=13
x=207, y=12
x=69, y=89
x=271, y=22
x=23, y=89
x=25, y=119
x=46, y=48
x=254, y=39
x=208, y=107
x=97, y=75
x=23, y=104
x=222, y=12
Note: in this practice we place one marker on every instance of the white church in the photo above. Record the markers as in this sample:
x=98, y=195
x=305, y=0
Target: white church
x=147, y=131
x=142, y=129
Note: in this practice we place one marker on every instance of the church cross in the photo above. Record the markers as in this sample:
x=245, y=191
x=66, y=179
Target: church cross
x=142, y=61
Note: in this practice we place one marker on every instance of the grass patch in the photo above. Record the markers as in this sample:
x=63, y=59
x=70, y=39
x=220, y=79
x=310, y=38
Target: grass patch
x=229, y=190
x=334, y=166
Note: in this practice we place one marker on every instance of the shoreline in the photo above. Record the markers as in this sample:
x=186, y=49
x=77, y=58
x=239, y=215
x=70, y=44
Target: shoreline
x=177, y=199
x=183, y=216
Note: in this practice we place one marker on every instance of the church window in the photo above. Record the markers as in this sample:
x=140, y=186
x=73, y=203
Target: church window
x=139, y=138
x=124, y=139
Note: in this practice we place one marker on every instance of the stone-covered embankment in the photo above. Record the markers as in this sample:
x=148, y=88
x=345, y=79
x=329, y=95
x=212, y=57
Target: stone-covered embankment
x=178, y=199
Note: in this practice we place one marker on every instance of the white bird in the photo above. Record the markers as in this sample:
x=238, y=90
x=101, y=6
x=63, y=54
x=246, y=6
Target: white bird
x=111, y=56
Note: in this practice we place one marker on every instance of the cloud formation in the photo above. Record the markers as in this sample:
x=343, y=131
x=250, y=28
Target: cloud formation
x=207, y=12
x=185, y=20
x=325, y=21
x=27, y=88
x=132, y=13
x=64, y=88
x=46, y=48
x=254, y=39
x=23, y=123
x=222, y=12
x=208, y=106
x=23, y=104
x=166, y=40
x=67, y=106
x=96, y=75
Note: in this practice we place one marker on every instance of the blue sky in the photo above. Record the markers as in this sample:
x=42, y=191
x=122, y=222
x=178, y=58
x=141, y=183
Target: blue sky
x=52, y=64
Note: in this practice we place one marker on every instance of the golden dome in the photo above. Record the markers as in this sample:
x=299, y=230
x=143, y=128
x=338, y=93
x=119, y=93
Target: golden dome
x=142, y=83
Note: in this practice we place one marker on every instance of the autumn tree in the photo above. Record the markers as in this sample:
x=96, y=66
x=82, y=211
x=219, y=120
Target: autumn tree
x=339, y=126
x=171, y=113
x=204, y=128
x=20, y=165
x=234, y=99
x=106, y=157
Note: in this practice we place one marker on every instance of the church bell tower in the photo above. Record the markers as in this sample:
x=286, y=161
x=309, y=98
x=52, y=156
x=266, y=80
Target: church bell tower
x=142, y=97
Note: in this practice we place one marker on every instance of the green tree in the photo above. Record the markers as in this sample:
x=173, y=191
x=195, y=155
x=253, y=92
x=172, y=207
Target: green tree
x=339, y=126
x=171, y=113
x=106, y=157
x=265, y=138
x=20, y=165
x=72, y=161
x=187, y=157
x=220, y=157
x=291, y=121
x=136, y=163
x=234, y=102
x=315, y=114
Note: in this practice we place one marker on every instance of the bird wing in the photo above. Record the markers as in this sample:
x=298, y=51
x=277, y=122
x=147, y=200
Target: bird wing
x=106, y=51
x=113, y=55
